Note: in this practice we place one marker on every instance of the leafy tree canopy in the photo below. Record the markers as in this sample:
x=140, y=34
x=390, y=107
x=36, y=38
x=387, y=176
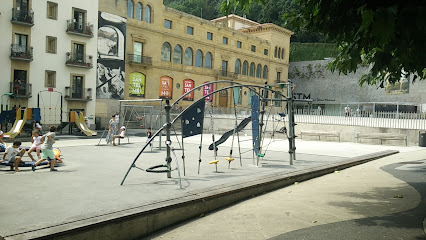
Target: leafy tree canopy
x=387, y=35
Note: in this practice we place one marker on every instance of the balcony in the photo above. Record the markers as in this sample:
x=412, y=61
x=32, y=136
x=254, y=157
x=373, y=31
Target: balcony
x=139, y=59
x=20, y=90
x=79, y=60
x=77, y=28
x=21, y=52
x=82, y=94
x=226, y=74
x=22, y=17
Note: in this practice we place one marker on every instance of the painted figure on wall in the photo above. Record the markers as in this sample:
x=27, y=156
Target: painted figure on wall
x=111, y=58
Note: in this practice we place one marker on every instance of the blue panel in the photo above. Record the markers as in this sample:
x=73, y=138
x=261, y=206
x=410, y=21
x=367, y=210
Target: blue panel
x=193, y=118
x=255, y=121
x=36, y=114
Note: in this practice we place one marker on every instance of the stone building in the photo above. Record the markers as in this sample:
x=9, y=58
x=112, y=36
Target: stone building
x=149, y=51
x=49, y=50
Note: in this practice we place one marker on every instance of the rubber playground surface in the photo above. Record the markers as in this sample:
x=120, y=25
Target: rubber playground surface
x=88, y=181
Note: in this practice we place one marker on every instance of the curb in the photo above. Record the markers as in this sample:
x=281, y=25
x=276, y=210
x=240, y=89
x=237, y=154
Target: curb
x=140, y=221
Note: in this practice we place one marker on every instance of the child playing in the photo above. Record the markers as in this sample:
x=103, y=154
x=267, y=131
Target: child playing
x=36, y=145
x=149, y=136
x=121, y=135
x=11, y=155
x=47, y=149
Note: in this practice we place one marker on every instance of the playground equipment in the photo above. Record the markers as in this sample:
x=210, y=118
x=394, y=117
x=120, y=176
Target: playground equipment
x=81, y=124
x=21, y=119
x=56, y=151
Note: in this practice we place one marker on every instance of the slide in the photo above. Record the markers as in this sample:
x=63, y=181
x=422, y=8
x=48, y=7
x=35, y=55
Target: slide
x=81, y=124
x=18, y=125
x=226, y=135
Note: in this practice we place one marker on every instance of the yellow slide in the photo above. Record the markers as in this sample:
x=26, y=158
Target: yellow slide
x=81, y=124
x=18, y=125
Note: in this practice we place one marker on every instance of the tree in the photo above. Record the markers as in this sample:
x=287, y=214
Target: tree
x=387, y=35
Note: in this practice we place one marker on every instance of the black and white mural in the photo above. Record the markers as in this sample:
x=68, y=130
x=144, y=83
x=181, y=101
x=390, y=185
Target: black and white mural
x=111, y=56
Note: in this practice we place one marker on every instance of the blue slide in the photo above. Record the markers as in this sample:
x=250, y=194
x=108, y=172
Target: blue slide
x=226, y=135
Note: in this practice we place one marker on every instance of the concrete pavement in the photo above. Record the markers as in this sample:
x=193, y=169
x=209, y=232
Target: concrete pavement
x=86, y=192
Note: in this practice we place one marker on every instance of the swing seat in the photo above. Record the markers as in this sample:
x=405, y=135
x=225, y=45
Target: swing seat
x=229, y=159
x=214, y=162
x=261, y=155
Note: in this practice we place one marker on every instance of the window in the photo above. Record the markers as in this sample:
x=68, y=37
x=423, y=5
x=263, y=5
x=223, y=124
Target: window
x=208, y=61
x=199, y=58
x=77, y=86
x=78, y=53
x=278, y=77
x=20, y=44
x=238, y=66
x=239, y=44
x=225, y=40
x=253, y=48
x=252, y=70
x=282, y=53
x=130, y=8
x=279, y=52
x=52, y=10
x=276, y=52
x=265, y=72
x=167, y=24
x=50, y=44
x=79, y=20
x=137, y=52
x=20, y=82
x=165, y=52
x=139, y=11
x=224, y=68
x=50, y=80
x=265, y=52
x=209, y=36
x=188, y=57
x=147, y=14
x=245, y=68
x=259, y=71
x=177, y=54
x=190, y=30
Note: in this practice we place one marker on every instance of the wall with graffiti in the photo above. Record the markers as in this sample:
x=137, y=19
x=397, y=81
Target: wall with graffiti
x=111, y=56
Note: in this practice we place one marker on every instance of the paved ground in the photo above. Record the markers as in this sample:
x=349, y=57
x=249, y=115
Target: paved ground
x=382, y=199
x=88, y=182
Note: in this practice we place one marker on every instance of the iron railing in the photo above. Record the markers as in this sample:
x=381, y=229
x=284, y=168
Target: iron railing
x=75, y=27
x=227, y=74
x=139, y=59
x=79, y=60
x=81, y=94
x=20, y=90
x=25, y=17
x=21, y=52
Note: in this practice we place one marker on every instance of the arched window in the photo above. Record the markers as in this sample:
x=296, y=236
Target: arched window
x=252, y=69
x=147, y=14
x=276, y=52
x=237, y=66
x=139, y=11
x=165, y=52
x=130, y=8
x=188, y=57
x=265, y=72
x=199, y=58
x=282, y=53
x=245, y=68
x=259, y=71
x=279, y=52
x=208, y=61
x=177, y=54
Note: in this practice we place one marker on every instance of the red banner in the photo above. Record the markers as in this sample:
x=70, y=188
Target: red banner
x=166, y=87
x=188, y=85
x=206, y=90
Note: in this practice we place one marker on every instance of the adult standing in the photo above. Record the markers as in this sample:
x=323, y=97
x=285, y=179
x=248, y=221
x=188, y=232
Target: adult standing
x=113, y=127
x=347, y=111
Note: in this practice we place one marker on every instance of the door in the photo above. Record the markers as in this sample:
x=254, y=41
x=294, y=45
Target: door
x=77, y=87
x=20, y=82
x=22, y=7
x=79, y=21
x=20, y=43
x=224, y=68
x=223, y=98
x=79, y=52
x=137, y=52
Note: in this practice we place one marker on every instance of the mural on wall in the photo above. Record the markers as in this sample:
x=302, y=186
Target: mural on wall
x=166, y=87
x=137, y=85
x=111, y=58
x=188, y=85
x=400, y=87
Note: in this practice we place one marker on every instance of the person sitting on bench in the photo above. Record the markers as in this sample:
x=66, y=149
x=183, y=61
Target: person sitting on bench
x=11, y=155
x=121, y=135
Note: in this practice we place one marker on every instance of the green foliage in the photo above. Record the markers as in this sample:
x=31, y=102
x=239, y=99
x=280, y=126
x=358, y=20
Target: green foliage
x=312, y=51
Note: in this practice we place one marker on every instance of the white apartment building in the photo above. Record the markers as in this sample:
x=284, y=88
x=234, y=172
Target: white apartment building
x=48, y=51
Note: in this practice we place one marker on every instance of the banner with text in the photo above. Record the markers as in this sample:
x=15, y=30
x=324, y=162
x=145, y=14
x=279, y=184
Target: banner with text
x=137, y=85
x=207, y=89
x=188, y=85
x=166, y=87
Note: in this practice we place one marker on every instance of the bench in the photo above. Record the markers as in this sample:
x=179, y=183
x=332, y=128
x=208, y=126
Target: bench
x=382, y=136
x=319, y=134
